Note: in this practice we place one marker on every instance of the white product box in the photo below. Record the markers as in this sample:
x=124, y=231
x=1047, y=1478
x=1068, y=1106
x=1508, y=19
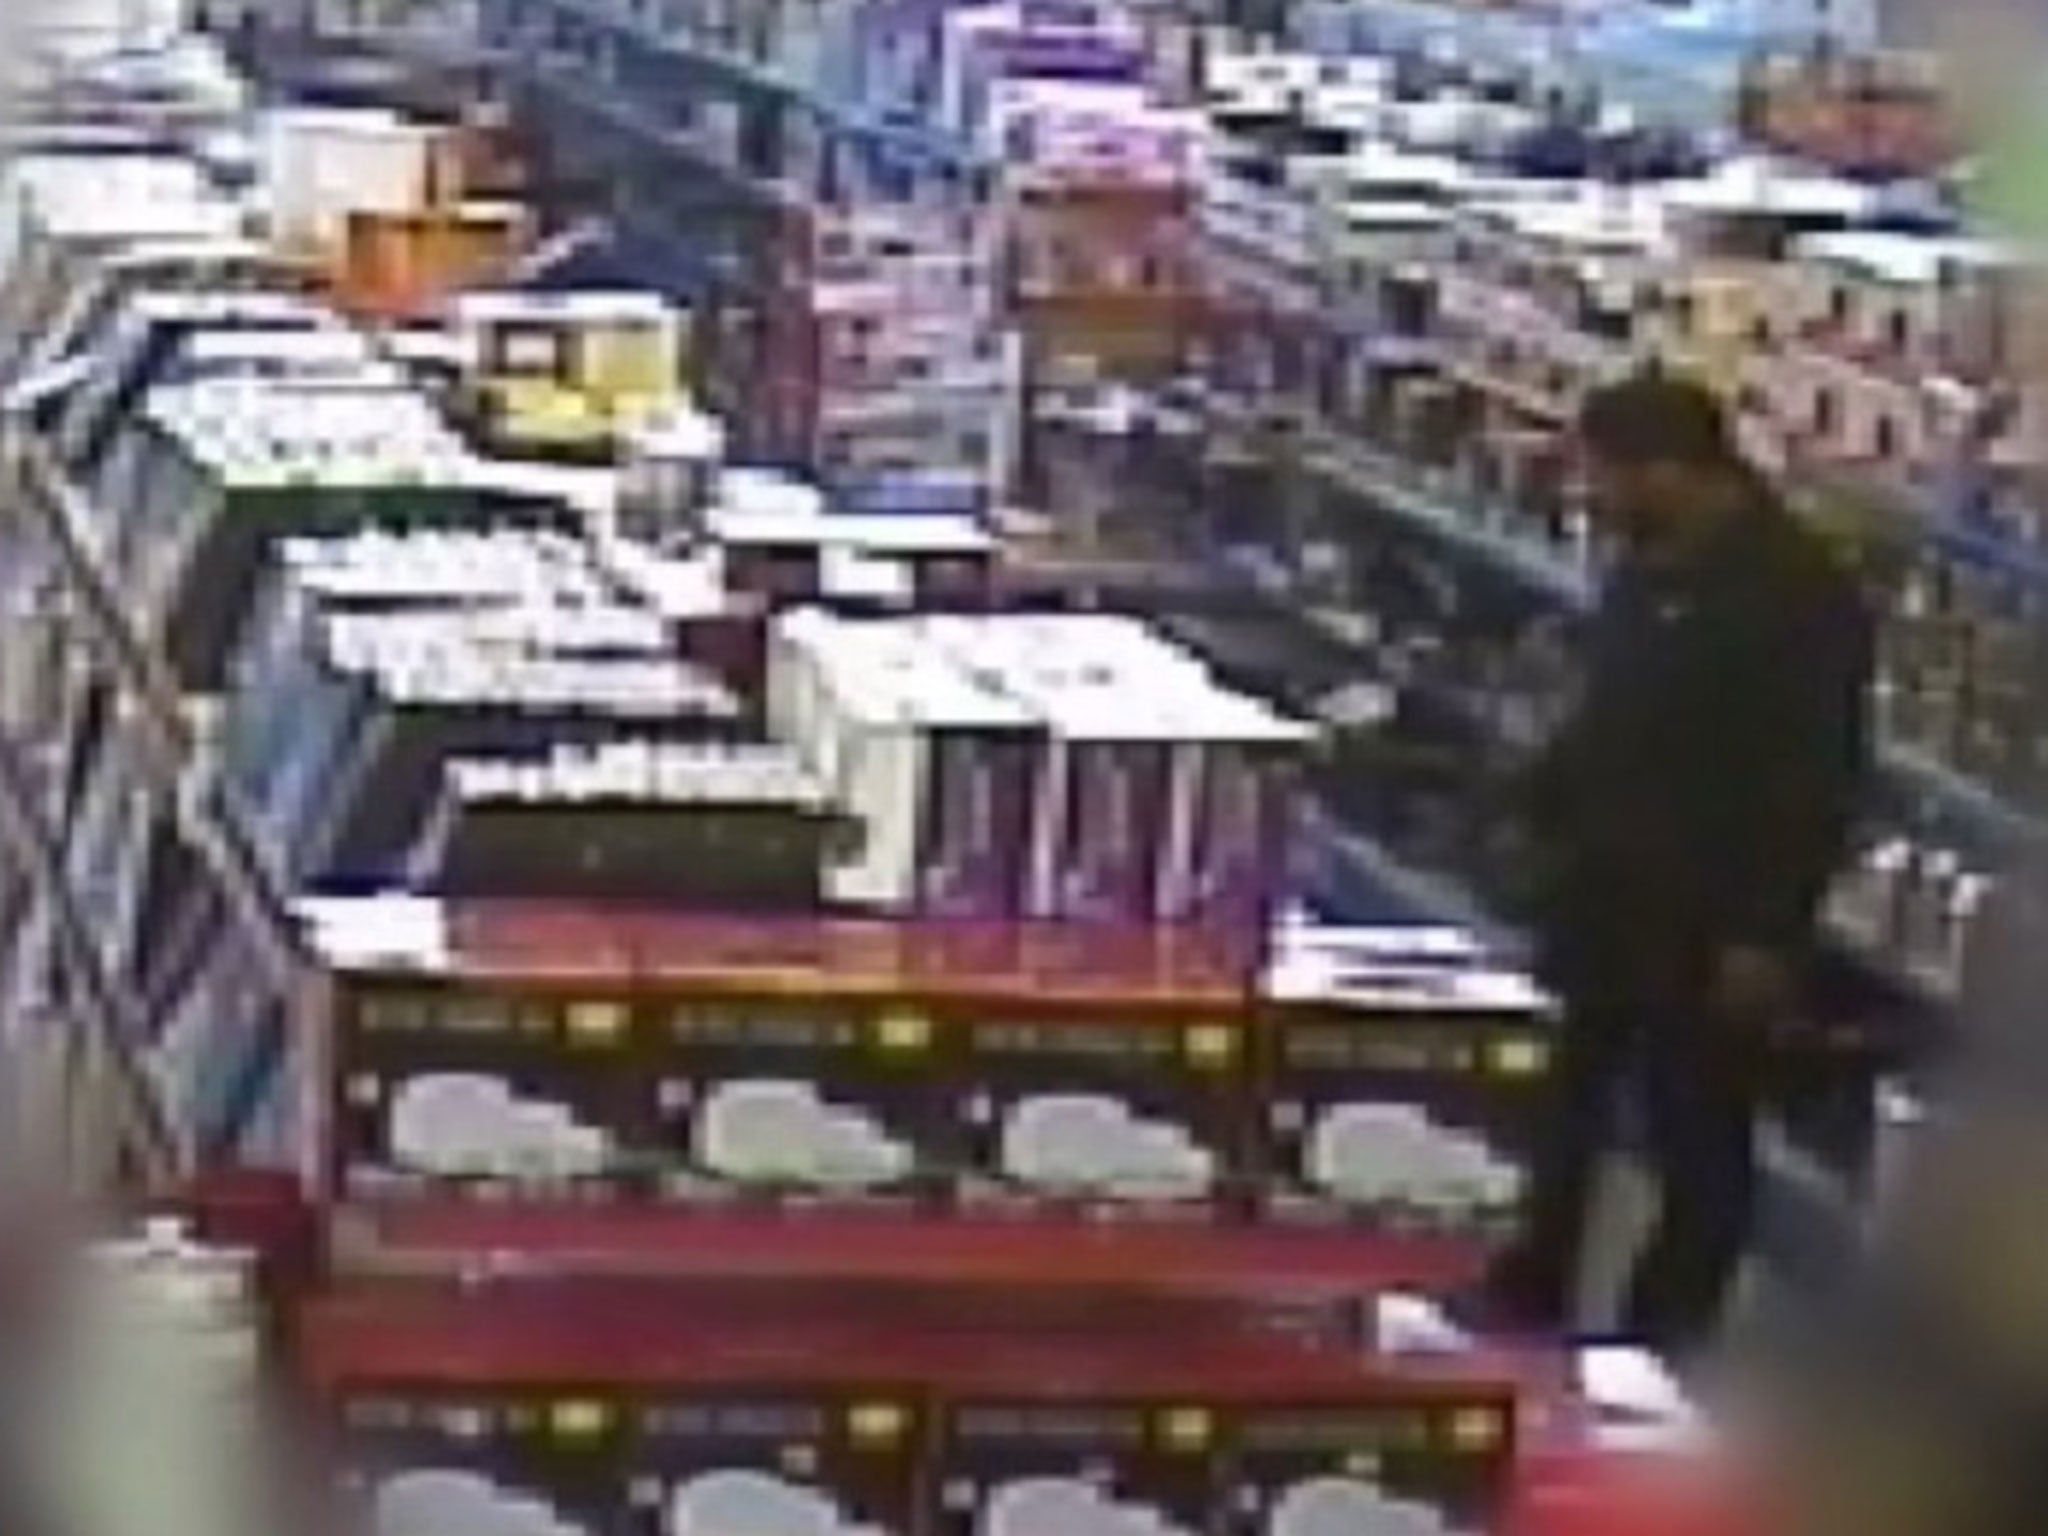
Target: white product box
x=939, y=767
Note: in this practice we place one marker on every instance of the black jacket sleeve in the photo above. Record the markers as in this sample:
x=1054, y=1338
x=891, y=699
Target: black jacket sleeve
x=1789, y=828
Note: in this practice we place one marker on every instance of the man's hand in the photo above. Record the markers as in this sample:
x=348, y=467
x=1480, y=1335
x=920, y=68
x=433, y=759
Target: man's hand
x=1751, y=985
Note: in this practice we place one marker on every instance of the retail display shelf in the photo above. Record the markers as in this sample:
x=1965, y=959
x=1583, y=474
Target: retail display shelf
x=1358, y=877
x=1935, y=788
x=972, y=1254
x=626, y=118
x=1355, y=876
x=854, y=124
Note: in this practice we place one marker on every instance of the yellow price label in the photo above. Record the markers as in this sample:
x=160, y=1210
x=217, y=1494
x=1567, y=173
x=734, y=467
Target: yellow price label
x=799, y=1460
x=580, y=1419
x=1520, y=1058
x=877, y=1423
x=1477, y=1429
x=1210, y=1045
x=1186, y=1429
x=903, y=1033
x=595, y=1023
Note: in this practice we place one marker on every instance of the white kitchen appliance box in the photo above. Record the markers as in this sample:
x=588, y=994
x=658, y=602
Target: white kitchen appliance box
x=1406, y=1076
x=1162, y=795
x=940, y=768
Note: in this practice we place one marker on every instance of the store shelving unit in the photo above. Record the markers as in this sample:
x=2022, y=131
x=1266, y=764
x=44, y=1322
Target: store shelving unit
x=622, y=64
x=58, y=516
x=1933, y=788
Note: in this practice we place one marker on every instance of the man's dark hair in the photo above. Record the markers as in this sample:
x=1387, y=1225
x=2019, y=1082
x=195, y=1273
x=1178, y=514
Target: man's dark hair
x=1654, y=418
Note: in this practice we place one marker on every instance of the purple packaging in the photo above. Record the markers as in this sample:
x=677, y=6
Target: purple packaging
x=1239, y=820
x=1234, y=782
x=975, y=839
x=1113, y=824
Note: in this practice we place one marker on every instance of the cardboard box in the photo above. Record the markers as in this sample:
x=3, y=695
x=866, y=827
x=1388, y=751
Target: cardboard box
x=488, y=1093
x=1136, y=1111
x=765, y=1096
x=1400, y=1091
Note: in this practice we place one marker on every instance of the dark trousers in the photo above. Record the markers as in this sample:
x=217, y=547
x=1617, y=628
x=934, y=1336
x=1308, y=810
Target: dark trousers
x=1696, y=1080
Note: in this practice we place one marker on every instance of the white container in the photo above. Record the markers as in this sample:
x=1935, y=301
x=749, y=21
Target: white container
x=156, y=1408
x=936, y=764
x=320, y=166
x=671, y=476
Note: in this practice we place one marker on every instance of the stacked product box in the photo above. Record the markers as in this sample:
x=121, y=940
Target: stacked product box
x=1096, y=218
x=65, y=216
x=885, y=371
x=780, y=542
x=151, y=337
x=322, y=165
x=585, y=1063
x=1164, y=796
x=219, y=467
x=1065, y=768
x=726, y=826
x=518, y=1051
x=986, y=45
x=570, y=374
x=604, y=1409
x=366, y=679
x=532, y=1055
x=941, y=768
x=1405, y=1080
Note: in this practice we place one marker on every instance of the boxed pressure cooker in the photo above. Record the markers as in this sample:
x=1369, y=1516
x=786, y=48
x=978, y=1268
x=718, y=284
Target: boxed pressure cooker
x=489, y=1092
x=1401, y=1087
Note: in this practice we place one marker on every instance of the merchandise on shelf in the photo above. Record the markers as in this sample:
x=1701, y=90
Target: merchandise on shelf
x=380, y=658
x=1401, y=1088
x=882, y=367
x=876, y=1423
x=1000, y=1072
x=1881, y=115
x=320, y=166
x=986, y=45
x=407, y=265
x=731, y=827
x=205, y=474
x=144, y=336
x=668, y=1061
x=572, y=374
x=941, y=768
x=1071, y=768
x=58, y=229
x=781, y=544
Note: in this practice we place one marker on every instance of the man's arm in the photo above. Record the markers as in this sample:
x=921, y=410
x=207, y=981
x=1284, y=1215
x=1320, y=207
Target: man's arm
x=1814, y=751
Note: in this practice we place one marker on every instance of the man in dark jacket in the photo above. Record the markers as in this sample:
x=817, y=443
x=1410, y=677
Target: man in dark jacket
x=1686, y=820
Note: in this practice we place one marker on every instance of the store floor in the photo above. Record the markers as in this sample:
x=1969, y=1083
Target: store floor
x=1625, y=1207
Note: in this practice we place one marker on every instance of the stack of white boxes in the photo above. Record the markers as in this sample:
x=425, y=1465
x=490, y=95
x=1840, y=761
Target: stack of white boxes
x=1076, y=768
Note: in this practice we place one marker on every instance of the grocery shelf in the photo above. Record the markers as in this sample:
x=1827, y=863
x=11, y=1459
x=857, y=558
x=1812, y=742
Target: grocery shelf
x=63, y=515
x=59, y=512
